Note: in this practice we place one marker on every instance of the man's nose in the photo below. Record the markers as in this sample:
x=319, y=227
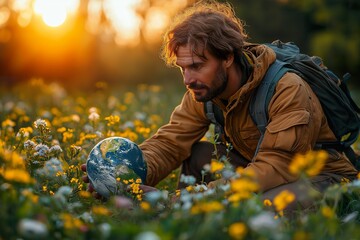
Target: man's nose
x=188, y=77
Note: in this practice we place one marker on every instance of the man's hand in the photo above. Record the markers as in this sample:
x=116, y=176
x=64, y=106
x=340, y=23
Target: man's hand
x=85, y=178
x=216, y=183
x=90, y=188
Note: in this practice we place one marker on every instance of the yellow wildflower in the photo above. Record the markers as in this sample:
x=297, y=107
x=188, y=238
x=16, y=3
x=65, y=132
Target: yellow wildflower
x=139, y=197
x=30, y=195
x=13, y=159
x=84, y=194
x=135, y=188
x=74, y=180
x=237, y=230
x=70, y=222
x=301, y=235
x=44, y=188
x=216, y=166
x=8, y=123
x=206, y=207
x=61, y=130
x=189, y=188
x=236, y=197
x=244, y=185
x=267, y=203
x=112, y=120
x=246, y=172
x=24, y=132
x=310, y=164
x=145, y=206
x=128, y=98
x=68, y=135
x=17, y=175
x=101, y=210
x=327, y=212
x=155, y=88
x=283, y=199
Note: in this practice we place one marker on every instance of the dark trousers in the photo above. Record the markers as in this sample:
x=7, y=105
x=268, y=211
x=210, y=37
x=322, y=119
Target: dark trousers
x=203, y=152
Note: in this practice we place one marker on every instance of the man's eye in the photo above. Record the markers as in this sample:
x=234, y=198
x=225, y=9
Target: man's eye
x=196, y=66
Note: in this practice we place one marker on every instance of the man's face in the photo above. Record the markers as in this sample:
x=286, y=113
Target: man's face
x=205, y=79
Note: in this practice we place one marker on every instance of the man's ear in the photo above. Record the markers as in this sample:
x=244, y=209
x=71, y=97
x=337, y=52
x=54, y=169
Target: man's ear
x=228, y=61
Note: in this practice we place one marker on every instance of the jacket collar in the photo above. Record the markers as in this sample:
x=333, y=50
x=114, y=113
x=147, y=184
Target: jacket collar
x=259, y=57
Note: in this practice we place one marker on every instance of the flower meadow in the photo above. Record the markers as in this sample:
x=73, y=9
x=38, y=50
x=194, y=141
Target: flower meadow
x=47, y=132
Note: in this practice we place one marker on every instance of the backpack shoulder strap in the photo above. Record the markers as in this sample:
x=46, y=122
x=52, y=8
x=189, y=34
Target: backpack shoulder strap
x=215, y=115
x=260, y=100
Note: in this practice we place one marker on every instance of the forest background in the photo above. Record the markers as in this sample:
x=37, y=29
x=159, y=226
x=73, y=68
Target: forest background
x=118, y=42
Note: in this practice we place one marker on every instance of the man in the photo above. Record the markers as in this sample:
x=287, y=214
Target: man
x=208, y=43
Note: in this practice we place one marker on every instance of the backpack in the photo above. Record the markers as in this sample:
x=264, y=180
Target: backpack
x=341, y=111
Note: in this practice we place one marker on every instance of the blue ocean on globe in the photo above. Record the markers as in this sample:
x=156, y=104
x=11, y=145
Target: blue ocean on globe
x=112, y=158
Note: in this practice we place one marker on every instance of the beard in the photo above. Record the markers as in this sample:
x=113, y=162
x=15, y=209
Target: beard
x=218, y=85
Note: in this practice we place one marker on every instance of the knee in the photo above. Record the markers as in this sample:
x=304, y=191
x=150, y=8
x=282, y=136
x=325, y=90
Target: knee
x=201, y=154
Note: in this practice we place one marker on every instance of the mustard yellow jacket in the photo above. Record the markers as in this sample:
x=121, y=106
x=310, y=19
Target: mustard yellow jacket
x=296, y=123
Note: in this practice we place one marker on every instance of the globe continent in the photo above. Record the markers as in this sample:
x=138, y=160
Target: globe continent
x=112, y=158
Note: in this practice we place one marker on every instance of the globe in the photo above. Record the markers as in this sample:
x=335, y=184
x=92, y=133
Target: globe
x=113, y=158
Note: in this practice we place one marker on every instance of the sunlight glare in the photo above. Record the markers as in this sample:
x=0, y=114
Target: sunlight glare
x=20, y=5
x=155, y=22
x=54, y=13
x=125, y=21
x=24, y=18
x=93, y=20
x=4, y=15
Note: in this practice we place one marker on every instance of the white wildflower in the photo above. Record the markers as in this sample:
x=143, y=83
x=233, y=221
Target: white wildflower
x=32, y=229
x=99, y=134
x=88, y=128
x=128, y=124
x=56, y=149
x=264, y=220
x=62, y=193
x=155, y=196
x=51, y=168
x=94, y=117
x=190, y=180
x=105, y=230
x=29, y=145
x=87, y=217
x=148, y=235
x=40, y=123
x=75, y=118
x=140, y=116
x=41, y=150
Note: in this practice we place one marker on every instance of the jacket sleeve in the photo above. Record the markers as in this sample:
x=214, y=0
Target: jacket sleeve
x=172, y=143
x=295, y=120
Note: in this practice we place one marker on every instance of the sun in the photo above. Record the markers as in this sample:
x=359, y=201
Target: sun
x=54, y=13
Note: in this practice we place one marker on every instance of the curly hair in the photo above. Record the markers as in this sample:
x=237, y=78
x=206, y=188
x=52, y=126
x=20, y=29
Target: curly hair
x=207, y=25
